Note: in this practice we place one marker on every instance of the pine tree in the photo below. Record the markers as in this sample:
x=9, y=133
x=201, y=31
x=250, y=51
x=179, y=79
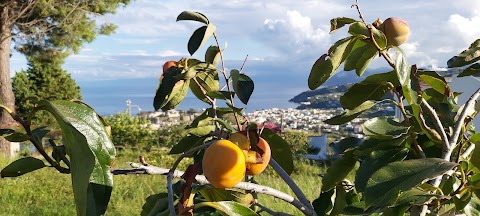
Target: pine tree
x=44, y=79
x=61, y=26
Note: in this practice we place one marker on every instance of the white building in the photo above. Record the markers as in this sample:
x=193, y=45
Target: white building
x=319, y=142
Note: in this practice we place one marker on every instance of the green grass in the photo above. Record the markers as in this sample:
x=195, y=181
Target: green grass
x=47, y=192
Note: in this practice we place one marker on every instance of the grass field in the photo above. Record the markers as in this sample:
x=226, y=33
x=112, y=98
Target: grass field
x=47, y=192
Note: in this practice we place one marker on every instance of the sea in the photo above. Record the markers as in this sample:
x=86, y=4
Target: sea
x=110, y=96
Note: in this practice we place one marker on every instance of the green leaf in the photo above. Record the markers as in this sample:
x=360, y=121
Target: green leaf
x=361, y=29
x=340, y=200
x=281, y=151
x=323, y=205
x=473, y=207
x=186, y=144
x=340, y=50
x=212, y=55
x=192, y=15
x=475, y=159
x=22, y=166
x=401, y=67
x=17, y=137
x=208, y=81
x=229, y=208
x=365, y=60
x=177, y=96
x=168, y=86
x=375, y=161
x=90, y=150
x=202, y=130
x=438, y=84
x=199, y=37
x=468, y=56
x=463, y=200
x=339, y=22
x=385, y=184
x=57, y=151
x=414, y=196
x=40, y=132
x=472, y=70
x=338, y=171
x=325, y=68
x=243, y=86
x=350, y=114
x=360, y=58
x=155, y=204
x=390, y=77
x=361, y=92
x=384, y=128
x=223, y=95
x=196, y=67
x=216, y=195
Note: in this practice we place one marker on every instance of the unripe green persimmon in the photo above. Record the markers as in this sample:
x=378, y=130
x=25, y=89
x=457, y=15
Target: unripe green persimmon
x=396, y=30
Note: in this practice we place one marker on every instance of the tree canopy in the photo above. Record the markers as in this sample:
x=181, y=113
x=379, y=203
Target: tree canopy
x=52, y=27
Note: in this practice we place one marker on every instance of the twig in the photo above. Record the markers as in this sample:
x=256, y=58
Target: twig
x=226, y=80
x=286, y=178
x=203, y=91
x=153, y=170
x=402, y=108
x=38, y=145
x=454, y=138
x=458, y=126
x=269, y=211
x=418, y=149
x=357, y=5
x=437, y=123
x=469, y=150
x=370, y=29
x=62, y=156
x=244, y=61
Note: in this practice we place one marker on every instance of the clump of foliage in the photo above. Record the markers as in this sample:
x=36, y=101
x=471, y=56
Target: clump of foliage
x=44, y=79
x=298, y=140
x=131, y=131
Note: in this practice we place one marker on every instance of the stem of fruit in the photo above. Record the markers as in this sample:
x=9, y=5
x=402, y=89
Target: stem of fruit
x=248, y=186
x=287, y=179
x=171, y=172
x=226, y=80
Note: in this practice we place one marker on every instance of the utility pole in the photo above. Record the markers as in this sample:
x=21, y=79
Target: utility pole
x=129, y=107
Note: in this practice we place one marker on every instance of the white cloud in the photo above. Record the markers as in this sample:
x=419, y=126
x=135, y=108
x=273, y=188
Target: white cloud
x=465, y=27
x=295, y=34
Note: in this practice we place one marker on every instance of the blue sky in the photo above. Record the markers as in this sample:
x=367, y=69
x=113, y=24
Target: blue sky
x=282, y=38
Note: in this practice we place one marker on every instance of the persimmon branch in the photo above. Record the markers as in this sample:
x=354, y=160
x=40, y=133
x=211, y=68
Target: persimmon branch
x=36, y=142
x=437, y=123
x=153, y=170
x=357, y=5
x=62, y=156
x=289, y=181
x=454, y=138
x=226, y=80
x=458, y=126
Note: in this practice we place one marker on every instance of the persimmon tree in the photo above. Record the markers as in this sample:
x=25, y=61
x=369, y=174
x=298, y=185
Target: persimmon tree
x=422, y=163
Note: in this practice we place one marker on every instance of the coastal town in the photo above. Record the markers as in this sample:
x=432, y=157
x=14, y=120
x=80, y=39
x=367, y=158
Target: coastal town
x=306, y=120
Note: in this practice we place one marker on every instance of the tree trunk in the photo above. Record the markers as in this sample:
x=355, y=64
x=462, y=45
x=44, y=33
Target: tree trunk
x=6, y=93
